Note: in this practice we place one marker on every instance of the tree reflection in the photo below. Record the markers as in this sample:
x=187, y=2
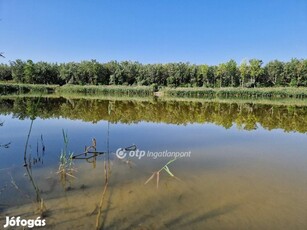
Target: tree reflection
x=247, y=116
x=6, y=145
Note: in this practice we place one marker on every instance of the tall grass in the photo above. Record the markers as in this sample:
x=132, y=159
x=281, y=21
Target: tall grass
x=9, y=88
x=107, y=90
x=20, y=88
x=66, y=167
x=141, y=91
x=282, y=92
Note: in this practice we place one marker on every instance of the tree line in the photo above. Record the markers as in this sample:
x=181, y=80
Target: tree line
x=251, y=73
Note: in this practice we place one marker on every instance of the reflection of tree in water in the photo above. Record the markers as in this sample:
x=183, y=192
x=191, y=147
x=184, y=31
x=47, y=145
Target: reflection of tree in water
x=6, y=145
x=245, y=116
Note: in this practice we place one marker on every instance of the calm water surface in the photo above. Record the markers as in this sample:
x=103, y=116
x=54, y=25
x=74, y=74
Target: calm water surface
x=247, y=169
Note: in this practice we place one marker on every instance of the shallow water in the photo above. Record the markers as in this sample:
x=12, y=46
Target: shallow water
x=247, y=168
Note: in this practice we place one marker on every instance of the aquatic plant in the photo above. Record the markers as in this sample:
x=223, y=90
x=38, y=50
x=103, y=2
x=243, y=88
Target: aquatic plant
x=9, y=88
x=66, y=165
x=41, y=208
x=107, y=90
x=235, y=92
x=164, y=168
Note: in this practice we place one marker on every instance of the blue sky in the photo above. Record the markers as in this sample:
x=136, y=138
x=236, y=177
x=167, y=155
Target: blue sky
x=153, y=31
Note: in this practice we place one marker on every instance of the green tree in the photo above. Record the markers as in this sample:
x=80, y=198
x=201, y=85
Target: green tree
x=193, y=76
x=203, y=79
x=130, y=71
x=244, y=70
x=274, y=72
x=111, y=68
x=232, y=76
x=212, y=75
x=5, y=72
x=256, y=71
x=29, y=71
x=291, y=72
x=302, y=73
x=173, y=78
x=17, y=68
x=221, y=74
x=46, y=73
x=68, y=72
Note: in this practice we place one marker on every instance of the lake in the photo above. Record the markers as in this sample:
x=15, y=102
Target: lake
x=246, y=167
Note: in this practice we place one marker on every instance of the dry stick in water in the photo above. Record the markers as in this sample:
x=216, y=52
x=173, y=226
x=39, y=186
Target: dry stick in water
x=106, y=173
x=107, y=170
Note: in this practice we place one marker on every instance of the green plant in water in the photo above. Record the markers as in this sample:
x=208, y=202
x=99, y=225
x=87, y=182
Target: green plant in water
x=164, y=168
x=66, y=166
x=41, y=208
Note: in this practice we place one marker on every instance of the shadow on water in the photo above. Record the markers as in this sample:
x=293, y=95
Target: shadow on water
x=181, y=220
x=184, y=220
x=106, y=210
x=210, y=215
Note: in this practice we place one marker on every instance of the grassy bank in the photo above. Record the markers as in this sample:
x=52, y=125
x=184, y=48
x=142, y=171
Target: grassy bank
x=15, y=88
x=283, y=92
x=140, y=91
x=11, y=88
x=106, y=90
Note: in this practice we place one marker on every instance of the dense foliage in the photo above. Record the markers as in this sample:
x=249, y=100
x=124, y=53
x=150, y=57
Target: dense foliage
x=250, y=73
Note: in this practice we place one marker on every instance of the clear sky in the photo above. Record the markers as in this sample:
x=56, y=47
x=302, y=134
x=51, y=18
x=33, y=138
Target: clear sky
x=153, y=31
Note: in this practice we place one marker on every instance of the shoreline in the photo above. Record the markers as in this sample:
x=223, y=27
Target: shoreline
x=199, y=93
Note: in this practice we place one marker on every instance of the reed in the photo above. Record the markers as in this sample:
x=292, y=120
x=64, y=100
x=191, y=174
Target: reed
x=164, y=168
x=20, y=88
x=230, y=92
x=41, y=207
x=106, y=90
x=66, y=166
